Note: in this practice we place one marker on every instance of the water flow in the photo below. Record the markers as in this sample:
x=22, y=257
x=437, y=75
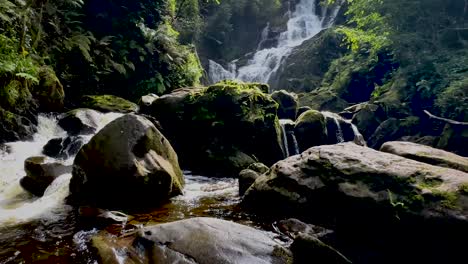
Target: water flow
x=339, y=131
x=358, y=137
x=17, y=205
x=295, y=144
x=283, y=123
x=304, y=23
x=264, y=36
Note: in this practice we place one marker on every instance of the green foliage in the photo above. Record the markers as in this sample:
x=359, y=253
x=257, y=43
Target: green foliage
x=14, y=65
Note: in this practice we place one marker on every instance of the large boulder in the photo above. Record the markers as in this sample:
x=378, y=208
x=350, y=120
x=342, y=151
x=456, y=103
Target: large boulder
x=371, y=197
x=79, y=121
x=426, y=154
x=310, y=129
x=226, y=121
x=49, y=92
x=128, y=163
x=195, y=240
x=287, y=104
x=366, y=116
x=108, y=103
x=40, y=173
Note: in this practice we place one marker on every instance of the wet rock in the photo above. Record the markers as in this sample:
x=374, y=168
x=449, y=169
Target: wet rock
x=366, y=116
x=246, y=178
x=40, y=173
x=146, y=101
x=217, y=241
x=108, y=103
x=79, y=121
x=142, y=172
x=393, y=129
x=293, y=227
x=310, y=129
x=63, y=148
x=426, y=154
x=323, y=100
x=287, y=104
x=14, y=127
x=258, y=167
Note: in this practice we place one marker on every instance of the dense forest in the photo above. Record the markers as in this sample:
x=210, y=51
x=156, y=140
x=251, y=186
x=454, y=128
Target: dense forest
x=233, y=131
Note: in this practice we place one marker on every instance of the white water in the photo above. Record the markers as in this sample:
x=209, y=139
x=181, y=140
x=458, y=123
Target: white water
x=358, y=137
x=339, y=131
x=18, y=206
x=284, y=132
x=304, y=23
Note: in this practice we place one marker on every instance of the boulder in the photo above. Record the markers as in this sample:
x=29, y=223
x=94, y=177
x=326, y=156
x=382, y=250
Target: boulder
x=144, y=171
x=108, y=103
x=49, y=93
x=310, y=129
x=246, y=178
x=220, y=122
x=258, y=167
x=393, y=129
x=323, y=100
x=454, y=138
x=63, y=148
x=366, y=116
x=426, y=154
x=40, y=173
x=369, y=195
x=287, y=104
x=302, y=109
x=79, y=121
x=195, y=240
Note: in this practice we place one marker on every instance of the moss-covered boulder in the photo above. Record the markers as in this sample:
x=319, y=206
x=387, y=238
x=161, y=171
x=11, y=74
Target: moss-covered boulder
x=426, y=154
x=49, y=92
x=370, y=197
x=128, y=164
x=310, y=129
x=287, y=104
x=108, y=103
x=220, y=120
x=366, y=116
x=323, y=100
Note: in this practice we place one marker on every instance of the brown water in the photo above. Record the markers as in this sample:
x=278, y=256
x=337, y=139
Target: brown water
x=63, y=236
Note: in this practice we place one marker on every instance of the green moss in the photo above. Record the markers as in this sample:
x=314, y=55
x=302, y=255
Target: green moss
x=108, y=103
x=447, y=199
x=312, y=116
x=463, y=189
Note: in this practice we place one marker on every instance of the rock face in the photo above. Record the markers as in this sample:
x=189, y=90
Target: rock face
x=369, y=195
x=146, y=101
x=79, y=121
x=128, y=163
x=426, y=154
x=304, y=69
x=14, y=127
x=287, y=104
x=213, y=126
x=40, y=173
x=246, y=178
x=108, y=103
x=202, y=241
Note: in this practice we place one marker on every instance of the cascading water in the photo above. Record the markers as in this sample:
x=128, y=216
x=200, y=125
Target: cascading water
x=18, y=206
x=304, y=23
x=339, y=131
x=287, y=136
x=358, y=137
x=283, y=123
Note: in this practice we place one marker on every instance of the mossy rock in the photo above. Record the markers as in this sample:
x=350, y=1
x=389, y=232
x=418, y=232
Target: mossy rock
x=17, y=98
x=323, y=99
x=14, y=127
x=287, y=104
x=223, y=118
x=310, y=129
x=108, y=103
x=49, y=92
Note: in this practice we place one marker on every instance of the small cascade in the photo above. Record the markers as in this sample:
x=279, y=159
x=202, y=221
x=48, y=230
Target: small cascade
x=18, y=206
x=264, y=36
x=358, y=137
x=290, y=145
x=339, y=131
x=283, y=123
x=304, y=23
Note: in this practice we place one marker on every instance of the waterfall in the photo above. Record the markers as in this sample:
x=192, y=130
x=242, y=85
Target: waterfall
x=358, y=137
x=295, y=144
x=264, y=36
x=303, y=24
x=17, y=205
x=283, y=123
x=339, y=131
